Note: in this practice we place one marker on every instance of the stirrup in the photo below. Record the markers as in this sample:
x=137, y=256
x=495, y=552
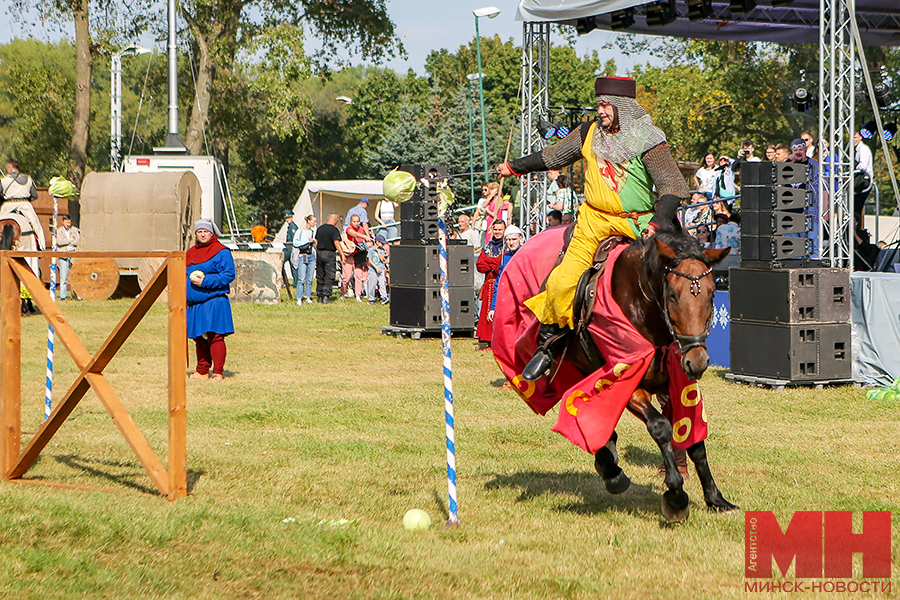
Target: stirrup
x=539, y=365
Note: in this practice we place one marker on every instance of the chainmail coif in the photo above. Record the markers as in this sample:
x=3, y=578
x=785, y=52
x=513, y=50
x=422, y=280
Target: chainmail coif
x=637, y=134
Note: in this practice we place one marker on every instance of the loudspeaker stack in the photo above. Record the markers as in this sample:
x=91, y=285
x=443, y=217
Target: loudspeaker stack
x=775, y=222
x=415, y=262
x=790, y=317
x=791, y=324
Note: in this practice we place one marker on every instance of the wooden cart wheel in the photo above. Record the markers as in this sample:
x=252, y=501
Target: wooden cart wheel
x=146, y=270
x=94, y=278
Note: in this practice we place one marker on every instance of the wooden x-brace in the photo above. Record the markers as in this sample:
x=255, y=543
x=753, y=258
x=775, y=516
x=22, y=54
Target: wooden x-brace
x=14, y=461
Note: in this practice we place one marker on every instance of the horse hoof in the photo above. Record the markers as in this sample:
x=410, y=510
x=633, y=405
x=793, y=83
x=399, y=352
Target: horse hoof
x=675, y=516
x=617, y=484
x=723, y=506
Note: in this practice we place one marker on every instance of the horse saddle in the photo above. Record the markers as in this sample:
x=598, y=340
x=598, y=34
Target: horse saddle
x=586, y=292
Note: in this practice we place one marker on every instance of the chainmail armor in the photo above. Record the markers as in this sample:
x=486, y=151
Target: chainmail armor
x=663, y=169
x=636, y=135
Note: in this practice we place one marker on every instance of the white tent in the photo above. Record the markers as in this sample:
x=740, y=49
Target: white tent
x=320, y=198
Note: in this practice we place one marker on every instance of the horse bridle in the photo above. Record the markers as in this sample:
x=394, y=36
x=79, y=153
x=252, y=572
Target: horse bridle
x=685, y=342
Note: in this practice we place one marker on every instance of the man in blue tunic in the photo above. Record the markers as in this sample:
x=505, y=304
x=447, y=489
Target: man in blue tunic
x=210, y=273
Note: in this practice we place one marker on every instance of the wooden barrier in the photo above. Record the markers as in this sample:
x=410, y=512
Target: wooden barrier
x=14, y=461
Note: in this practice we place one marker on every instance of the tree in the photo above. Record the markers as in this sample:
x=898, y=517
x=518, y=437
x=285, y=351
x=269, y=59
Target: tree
x=36, y=80
x=112, y=21
x=220, y=29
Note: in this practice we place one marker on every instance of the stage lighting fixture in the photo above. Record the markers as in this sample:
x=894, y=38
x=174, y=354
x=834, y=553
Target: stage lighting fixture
x=890, y=130
x=740, y=7
x=884, y=95
x=622, y=19
x=583, y=26
x=868, y=130
x=562, y=130
x=802, y=98
x=660, y=13
x=699, y=9
x=544, y=128
x=549, y=130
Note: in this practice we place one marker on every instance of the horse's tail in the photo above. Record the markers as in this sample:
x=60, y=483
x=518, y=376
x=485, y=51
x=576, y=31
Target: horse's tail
x=7, y=237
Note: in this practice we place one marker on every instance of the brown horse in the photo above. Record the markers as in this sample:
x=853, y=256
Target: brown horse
x=664, y=288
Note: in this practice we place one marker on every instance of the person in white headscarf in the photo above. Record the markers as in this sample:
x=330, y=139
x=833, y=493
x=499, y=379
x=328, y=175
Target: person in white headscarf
x=513, y=238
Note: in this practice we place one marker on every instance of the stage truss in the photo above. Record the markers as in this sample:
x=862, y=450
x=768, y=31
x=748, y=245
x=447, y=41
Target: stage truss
x=837, y=85
x=535, y=102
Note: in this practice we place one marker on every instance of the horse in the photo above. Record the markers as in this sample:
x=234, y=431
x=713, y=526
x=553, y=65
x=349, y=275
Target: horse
x=643, y=335
x=11, y=227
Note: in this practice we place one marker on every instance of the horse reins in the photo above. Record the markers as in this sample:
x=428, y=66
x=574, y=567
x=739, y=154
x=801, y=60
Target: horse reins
x=686, y=342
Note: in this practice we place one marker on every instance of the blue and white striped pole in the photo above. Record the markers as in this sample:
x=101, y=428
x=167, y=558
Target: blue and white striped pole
x=453, y=521
x=48, y=396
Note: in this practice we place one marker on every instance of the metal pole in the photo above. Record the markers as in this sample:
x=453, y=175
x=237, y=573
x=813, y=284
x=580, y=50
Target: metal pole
x=877, y=210
x=115, y=112
x=481, y=99
x=173, y=70
x=471, y=142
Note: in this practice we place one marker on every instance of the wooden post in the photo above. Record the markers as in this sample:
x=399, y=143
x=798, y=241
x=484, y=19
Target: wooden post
x=176, y=275
x=10, y=366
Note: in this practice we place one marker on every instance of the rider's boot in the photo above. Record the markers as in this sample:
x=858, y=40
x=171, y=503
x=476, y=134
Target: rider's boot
x=550, y=338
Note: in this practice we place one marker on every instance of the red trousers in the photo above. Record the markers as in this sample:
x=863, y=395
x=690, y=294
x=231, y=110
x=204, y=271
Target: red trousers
x=211, y=353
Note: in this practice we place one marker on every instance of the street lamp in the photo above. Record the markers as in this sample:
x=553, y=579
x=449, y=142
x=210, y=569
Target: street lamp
x=344, y=99
x=115, y=105
x=470, y=79
x=491, y=12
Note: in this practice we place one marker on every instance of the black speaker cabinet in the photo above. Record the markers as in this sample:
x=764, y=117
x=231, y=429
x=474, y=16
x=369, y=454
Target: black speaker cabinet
x=772, y=247
x=793, y=296
x=773, y=198
x=421, y=307
x=418, y=230
x=773, y=222
x=419, y=266
x=808, y=352
x=772, y=173
x=415, y=211
x=423, y=171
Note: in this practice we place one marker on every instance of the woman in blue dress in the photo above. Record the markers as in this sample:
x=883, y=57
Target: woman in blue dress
x=210, y=273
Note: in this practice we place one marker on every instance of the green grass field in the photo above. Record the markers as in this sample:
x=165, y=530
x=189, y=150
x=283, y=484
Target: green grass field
x=322, y=418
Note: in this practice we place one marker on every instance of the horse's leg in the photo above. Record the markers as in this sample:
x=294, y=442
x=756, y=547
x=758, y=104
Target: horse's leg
x=606, y=462
x=675, y=500
x=711, y=493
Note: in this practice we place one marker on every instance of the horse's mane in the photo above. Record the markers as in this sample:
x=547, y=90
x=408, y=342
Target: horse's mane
x=684, y=245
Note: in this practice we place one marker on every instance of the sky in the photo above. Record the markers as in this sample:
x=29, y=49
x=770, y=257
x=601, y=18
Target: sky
x=422, y=26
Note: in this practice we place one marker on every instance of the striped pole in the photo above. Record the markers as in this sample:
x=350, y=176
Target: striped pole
x=453, y=521
x=48, y=396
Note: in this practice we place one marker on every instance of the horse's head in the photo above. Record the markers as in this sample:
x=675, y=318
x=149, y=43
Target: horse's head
x=687, y=289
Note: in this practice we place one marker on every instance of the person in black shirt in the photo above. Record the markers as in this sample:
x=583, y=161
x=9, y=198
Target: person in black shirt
x=328, y=244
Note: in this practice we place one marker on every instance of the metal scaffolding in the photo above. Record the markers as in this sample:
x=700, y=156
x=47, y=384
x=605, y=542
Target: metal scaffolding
x=837, y=85
x=535, y=100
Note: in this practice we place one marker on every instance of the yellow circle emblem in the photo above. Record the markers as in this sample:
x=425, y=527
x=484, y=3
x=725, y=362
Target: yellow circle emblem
x=570, y=401
x=690, y=396
x=681, y=429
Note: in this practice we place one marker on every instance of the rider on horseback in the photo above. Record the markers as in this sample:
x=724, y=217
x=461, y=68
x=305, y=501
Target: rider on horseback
x=626, y=157
x=18, y=192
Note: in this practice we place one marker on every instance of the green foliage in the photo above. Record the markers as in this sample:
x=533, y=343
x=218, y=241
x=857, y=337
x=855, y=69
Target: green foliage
x=36, y=90
x=722, y=93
